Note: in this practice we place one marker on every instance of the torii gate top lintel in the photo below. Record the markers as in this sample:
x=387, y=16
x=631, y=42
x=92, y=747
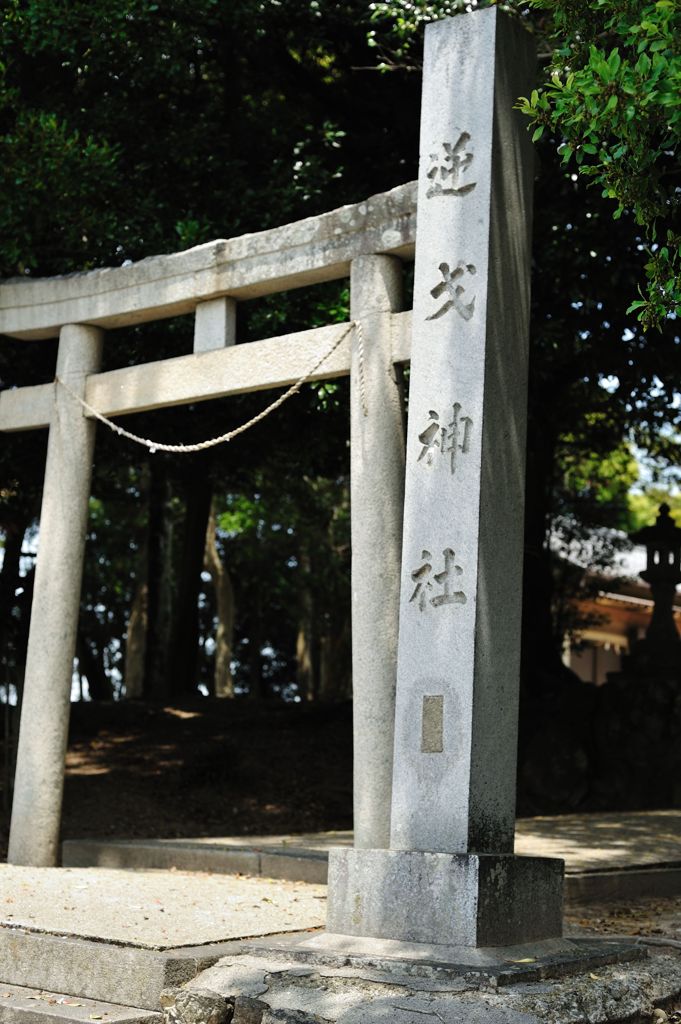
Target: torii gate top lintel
x=309, y=251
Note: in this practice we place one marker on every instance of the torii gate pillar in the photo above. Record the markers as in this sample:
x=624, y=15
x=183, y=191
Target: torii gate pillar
x=43, y=734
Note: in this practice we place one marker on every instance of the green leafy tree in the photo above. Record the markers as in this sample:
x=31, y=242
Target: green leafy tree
x=644, y=506
x=609, y=93
x=614, y=98
x=589, y=524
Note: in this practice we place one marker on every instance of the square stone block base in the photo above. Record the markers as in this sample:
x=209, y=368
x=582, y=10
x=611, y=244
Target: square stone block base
x=447, y=899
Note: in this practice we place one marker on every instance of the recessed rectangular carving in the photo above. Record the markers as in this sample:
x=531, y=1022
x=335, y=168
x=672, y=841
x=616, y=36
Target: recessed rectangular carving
x=431, y=724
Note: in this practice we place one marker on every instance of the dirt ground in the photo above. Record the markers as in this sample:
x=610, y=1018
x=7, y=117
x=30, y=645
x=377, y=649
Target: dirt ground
x=205, y=768
x=654, y=919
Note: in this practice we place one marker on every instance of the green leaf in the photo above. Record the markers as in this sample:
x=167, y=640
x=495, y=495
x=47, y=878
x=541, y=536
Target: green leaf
x=614, y=61
x=643, y=64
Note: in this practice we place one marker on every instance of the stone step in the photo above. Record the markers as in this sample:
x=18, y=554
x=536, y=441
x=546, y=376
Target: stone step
x=301, y=863
x=295, y=865
x=21, y=1005
x=100, y=970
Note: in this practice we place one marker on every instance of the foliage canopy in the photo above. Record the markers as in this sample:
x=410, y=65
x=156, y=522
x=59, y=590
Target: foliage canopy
x=614, y=96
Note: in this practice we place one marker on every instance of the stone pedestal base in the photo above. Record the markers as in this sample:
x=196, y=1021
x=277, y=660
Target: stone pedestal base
x=448, y=899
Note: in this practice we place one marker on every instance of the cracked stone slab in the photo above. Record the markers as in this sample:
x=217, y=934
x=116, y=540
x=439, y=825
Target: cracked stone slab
x=347, y=994
x=497, y=965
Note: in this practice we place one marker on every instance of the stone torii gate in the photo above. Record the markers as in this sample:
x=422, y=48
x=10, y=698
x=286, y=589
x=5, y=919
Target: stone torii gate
x=367, y=241
x=435, y=765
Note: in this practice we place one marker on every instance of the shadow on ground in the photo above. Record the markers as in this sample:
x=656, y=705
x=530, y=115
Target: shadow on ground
x=206, y=768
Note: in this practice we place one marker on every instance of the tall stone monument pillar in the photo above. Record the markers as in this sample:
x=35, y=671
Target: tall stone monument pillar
x=450, y=876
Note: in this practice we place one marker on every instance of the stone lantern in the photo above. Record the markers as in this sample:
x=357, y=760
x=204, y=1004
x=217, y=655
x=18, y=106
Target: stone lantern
x=661, y=649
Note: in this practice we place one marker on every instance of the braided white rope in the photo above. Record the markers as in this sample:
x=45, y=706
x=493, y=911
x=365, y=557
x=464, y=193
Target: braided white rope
x=160, y=446
x=362, y=382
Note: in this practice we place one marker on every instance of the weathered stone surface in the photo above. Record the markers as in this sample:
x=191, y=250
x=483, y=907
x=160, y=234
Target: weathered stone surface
x=612, y=995
x=413, y=992
x=415, y=1010
x=316, y=249
x=158, y=855
x=19, y=1005
x=464, y=900
x=248, y=1010
x=459, y=633
x=239, y=975
x=39, y=780
x=236, y=370
x=423, y=965
x=377, y=439
x=26, y=408
x=196, y=1006
x=97, y=970
x=463, y=524
x=290, y=1017
x=214, y=324
x=188, y=909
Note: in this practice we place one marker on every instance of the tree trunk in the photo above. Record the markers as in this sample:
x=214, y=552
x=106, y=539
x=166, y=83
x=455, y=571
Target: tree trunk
x=160, y=577
x=198, y=494
x=335, y=658
x=138, y=619
x=136, y=644
x=91, y=665
x=305, y=669
x=307, y=640
x=9, y=573
x=223, y=682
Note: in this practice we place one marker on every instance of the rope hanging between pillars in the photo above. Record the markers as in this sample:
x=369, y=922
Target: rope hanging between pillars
x=160, y=446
